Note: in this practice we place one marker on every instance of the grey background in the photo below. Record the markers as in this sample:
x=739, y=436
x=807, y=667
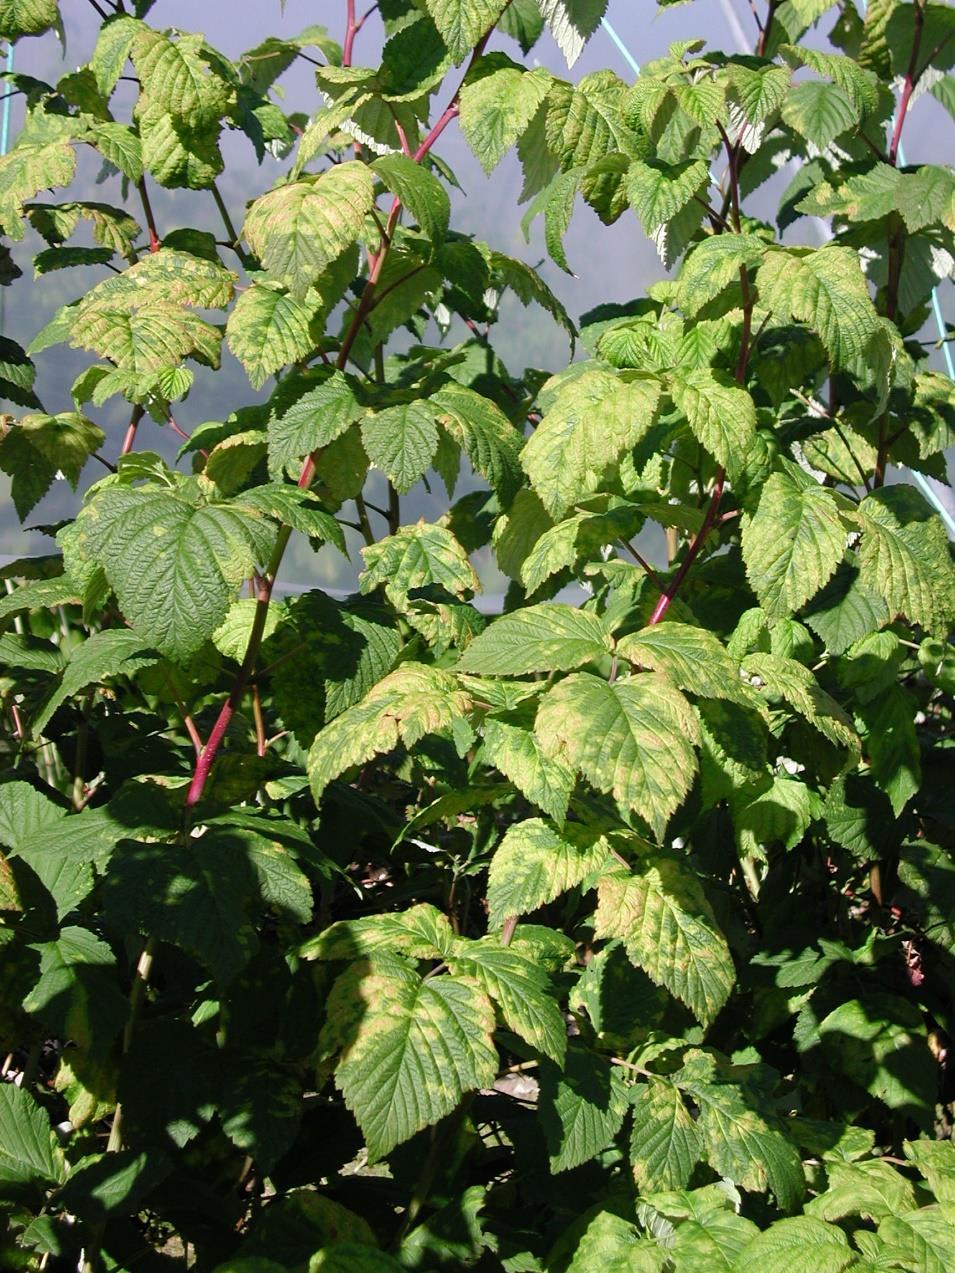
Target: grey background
x=614, y=264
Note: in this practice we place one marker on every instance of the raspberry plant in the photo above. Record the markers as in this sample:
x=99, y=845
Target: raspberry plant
x=374, y=934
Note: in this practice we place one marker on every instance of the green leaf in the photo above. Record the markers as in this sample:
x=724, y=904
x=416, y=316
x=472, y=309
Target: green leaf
x=741, y=1139
x=421, y=932
x=665, y=1145
x=658, y=191
x=873, y=1190
x=26, y=170
x=111, y=53
x=845, y=610
x=24, y=811
x=488, y=438
x=410, y=1048
x=714, y=265
x=28, y=1146
x=27, y=17
x=299, y=229
x=787, y=679
x=412, y=701
x=176, y=79
x=175, y=568
x=522, y=21
x=572, y=23
x=801, y=1244
x=401, y=441
x=825, y=289
x=534, y=864
x=65, y=258
x=545, y=781
x=78, y=995
x=904, y=557
x=923, y=1240
x=780, y=814
x=662, y=914
x=935, y=1162
x=115, y=652
x=497, y=105
x=296, y=507
x=792, y=544
x=415, y=557
x=462, y=23
x=582, y=1107
x=880, y=1044
x=721, y=415
x=693, y=658
x=819, y=112
x=39, y=447
x=419, y=190
x=633, y=739
x=892, y=744
x=519, y=986
x=267, y=330
x=594, y=418
x=551, y=637
x=193, y=896
x=308, y=412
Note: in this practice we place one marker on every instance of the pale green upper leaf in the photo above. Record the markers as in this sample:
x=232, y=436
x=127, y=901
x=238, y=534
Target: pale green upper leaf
x=662, y=913
x=481, y=428
x=267, y=330
x=692, y=657
x=175, y=77
x=497, y=107
x=518, y=985
x=792, y=544
x=421, y=932
x=551, y=637
x=633, y=739
x=27, y=169
x=665, y=1145
x=545, y=781
x=787, y=679
x=410, y=702
x=592, y=421
x=720, y=414
x=299, y=229
x=533, y=864
x=904, y=557
x=463, y=22
x=415, y=557
x=659, y=191
x=401, y=441
x=410, y=1048
x=825, y=289
x=713, y=265
x=800, y=1244
x=27, y=17
x=741, y=1134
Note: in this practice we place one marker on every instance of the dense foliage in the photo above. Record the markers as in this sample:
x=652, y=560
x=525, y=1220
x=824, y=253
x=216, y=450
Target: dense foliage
x=369, y=934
